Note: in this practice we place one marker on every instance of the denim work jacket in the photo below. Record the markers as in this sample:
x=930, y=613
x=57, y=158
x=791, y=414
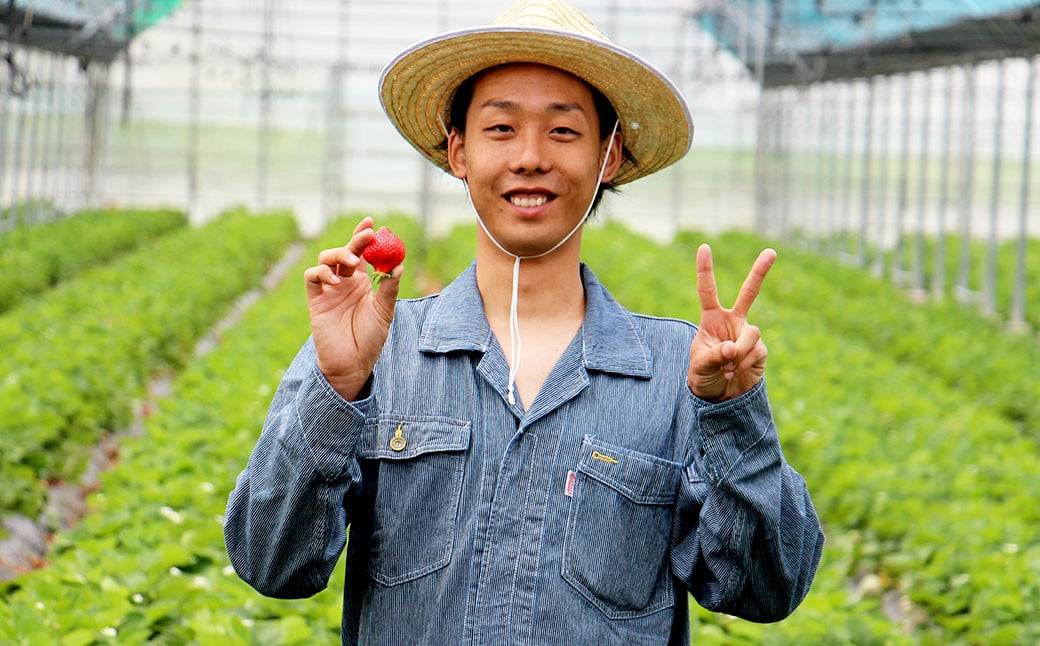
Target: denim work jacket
x=583, y=519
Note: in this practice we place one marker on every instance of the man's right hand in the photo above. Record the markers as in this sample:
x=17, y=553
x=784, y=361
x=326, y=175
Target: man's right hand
x=349, y=320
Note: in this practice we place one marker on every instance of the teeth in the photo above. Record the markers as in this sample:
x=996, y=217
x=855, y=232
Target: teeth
x=528, y=202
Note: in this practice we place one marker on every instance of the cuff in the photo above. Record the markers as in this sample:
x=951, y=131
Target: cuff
x=331, y=425
x=727, y=430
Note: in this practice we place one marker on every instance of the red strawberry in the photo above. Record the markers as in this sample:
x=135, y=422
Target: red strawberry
x=384, y=252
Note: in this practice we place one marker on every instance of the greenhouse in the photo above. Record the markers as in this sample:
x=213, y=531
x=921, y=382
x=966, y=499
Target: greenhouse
x=169, y=169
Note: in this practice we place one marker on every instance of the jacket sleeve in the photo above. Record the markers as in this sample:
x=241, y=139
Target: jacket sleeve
x=285, y=525
x=746, y=539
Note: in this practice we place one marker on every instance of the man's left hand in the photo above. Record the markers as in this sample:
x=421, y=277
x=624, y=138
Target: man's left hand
x=727, y=357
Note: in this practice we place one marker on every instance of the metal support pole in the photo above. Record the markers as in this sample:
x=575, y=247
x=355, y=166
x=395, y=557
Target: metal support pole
x=850, y=167
x=762, y=186
x=34, y=107
x=898, y=265
x=5, y=221
x=784, y=147
x=833, y=171
x=16, y=210
x=884, y=102
x=762, y=131
x=963, y=290
x=1018, y=303
x=63, y=155
x=867, y=175
x=819, y=209
x=50, y=117
x=939, y=274
x=97, y=91
x=127, y=97
x=922, y=185
x=678, y=73
x=989, y=286
x=266, y=93
x=194, y=101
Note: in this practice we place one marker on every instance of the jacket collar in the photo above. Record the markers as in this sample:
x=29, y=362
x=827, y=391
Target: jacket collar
x=610, y=341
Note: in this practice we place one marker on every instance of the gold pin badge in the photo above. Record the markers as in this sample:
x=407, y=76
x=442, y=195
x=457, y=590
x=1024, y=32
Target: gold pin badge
x=397, y=442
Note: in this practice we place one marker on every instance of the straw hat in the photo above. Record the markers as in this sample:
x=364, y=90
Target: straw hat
x=416, y=87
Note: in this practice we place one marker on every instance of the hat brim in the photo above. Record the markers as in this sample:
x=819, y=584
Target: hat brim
x=417, y=86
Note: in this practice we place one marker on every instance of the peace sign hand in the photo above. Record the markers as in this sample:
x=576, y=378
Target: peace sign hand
x=727, y=357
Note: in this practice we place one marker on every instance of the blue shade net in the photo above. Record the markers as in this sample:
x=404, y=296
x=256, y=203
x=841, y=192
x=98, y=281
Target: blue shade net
x=797, y=41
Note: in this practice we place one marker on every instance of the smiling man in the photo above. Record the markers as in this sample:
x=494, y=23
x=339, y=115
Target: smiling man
x=519, y=459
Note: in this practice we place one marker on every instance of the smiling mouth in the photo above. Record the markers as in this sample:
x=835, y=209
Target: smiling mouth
x=528, y=201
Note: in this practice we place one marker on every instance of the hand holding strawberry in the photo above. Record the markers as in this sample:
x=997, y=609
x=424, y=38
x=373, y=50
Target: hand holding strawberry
x=349, y=319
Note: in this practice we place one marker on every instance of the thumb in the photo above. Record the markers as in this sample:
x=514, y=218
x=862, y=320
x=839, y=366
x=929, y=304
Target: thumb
x=387, y=290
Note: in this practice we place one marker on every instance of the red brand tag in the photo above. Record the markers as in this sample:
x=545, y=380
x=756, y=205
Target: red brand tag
x=569, y=489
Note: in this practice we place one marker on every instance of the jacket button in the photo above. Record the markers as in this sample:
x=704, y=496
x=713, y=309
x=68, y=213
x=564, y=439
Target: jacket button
x=397, y=442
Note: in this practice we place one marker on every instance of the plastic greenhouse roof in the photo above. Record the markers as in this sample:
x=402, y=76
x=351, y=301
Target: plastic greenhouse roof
x=814, y=40
x=89, y=29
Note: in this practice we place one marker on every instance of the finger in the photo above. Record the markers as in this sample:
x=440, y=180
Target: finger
x=734, y=354
x=342, y=260
x=365, y=223
x=319, y=276
x=720, y=356
x=753, y=283
x=756, y=358
x=363, y=234
x=386, y=293
x=746, y=341
x=706, y=287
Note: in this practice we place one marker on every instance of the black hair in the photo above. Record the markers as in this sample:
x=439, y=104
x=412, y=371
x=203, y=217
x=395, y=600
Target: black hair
x=605, y=112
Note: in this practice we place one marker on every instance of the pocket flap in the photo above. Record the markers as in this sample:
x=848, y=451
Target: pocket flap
x=640, y=477
x=402, y=437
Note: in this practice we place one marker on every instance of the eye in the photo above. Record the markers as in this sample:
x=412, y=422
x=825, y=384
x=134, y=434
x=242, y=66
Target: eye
x=499, y=129
x=564, y=132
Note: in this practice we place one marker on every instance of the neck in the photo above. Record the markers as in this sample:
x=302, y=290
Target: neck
x=550, y=287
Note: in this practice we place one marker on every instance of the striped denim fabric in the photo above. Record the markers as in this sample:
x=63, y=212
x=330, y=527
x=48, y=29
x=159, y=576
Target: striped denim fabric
x=586, y=517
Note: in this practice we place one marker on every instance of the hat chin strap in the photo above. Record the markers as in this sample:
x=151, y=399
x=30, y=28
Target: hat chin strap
x=515, y=343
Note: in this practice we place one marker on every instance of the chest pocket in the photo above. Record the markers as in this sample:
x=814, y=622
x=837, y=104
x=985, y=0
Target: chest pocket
x=619, y=530
x=416, y=467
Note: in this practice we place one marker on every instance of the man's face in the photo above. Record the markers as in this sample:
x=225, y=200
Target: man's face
x=531, y=153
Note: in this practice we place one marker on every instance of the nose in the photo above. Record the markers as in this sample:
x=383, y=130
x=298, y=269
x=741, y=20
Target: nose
x=531, y=153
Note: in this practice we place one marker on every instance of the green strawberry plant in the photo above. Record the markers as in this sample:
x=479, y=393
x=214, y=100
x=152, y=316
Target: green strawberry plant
x=79, y=357
x=32, y=259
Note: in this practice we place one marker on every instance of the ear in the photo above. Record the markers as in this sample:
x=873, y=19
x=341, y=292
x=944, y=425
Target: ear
x=457, y=153
x=614, y=153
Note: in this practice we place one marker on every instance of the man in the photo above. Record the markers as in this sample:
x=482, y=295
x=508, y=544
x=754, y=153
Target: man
x=519, y=459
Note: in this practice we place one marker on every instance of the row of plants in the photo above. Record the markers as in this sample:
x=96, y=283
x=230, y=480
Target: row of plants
x=935, y=266
x=33, y=259
x=78, y=358
x=955, y=249
x=148, y=563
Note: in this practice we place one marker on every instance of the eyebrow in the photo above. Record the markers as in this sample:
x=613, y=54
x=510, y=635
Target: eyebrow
x=513, y=106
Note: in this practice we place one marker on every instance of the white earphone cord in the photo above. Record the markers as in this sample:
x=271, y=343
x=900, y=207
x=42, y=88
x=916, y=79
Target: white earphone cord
x=515, y=343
